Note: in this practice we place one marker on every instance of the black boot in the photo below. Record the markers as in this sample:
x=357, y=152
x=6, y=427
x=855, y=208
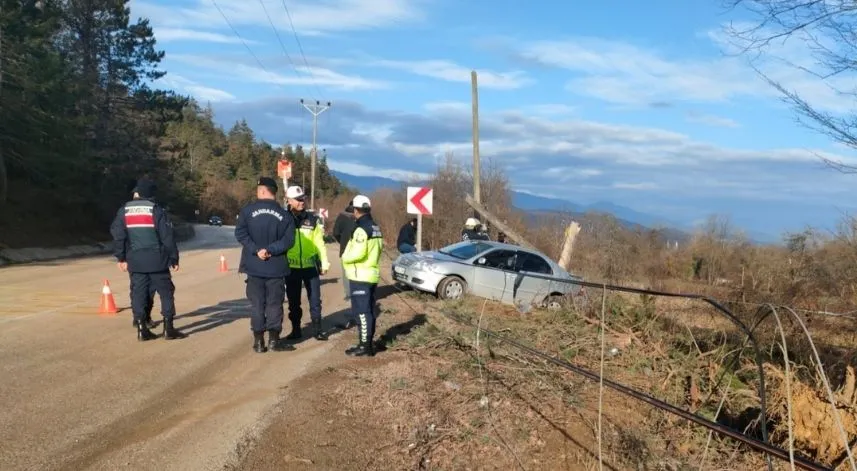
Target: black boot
x=171, y=333
x=143, y=333
x=317, y=332
x=259, y=342
x=364, y=345
x=296, y=331
x=149, y=322
x=362, y=349
x=274, y=342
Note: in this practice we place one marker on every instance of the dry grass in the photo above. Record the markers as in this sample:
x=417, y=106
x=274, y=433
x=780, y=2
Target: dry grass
x=677, y=350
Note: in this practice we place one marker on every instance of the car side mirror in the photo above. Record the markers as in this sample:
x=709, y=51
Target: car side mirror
x=481, y=261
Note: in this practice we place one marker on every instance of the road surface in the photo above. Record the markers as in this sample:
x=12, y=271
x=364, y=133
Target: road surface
x=78, y=391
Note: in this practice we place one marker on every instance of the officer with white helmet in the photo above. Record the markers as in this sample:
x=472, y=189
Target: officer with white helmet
x=472, y=230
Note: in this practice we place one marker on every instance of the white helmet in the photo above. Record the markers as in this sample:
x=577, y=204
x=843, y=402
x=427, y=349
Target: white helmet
x=471, y=223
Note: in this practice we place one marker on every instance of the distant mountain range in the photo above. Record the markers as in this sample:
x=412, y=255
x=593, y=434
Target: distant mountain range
x=541, y=205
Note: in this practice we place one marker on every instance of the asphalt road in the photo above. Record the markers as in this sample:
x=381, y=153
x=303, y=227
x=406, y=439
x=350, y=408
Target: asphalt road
x=78, y=391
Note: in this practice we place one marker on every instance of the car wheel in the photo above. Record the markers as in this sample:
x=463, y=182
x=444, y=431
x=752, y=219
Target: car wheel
x=554, y=302
x=451, y=287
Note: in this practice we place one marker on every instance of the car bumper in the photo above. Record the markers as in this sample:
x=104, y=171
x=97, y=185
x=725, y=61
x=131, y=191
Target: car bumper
x=423, y=280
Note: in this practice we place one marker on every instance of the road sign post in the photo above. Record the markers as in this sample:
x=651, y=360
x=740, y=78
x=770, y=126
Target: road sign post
x=284, y=170
x=420, y=202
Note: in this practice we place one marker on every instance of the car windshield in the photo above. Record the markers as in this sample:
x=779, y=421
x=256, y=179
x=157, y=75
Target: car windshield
x=465, y=250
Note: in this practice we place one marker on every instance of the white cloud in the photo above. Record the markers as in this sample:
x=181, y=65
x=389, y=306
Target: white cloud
x=361, y=170
x=627, y=74
x=309, y=16
x=452, y=72
x=181, y=34
x=636, y=186
x=243, y=72
x=711, y=120
x=198, y=91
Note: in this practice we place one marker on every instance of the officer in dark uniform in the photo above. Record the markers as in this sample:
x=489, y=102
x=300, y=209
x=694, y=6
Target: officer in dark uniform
x=266, y=231
x=145, y=247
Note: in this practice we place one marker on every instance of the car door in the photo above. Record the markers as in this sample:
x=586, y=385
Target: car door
x=528, y=289
x=493, y=275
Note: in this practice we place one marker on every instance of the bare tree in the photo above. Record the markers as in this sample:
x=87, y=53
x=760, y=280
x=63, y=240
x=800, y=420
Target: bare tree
x=828, y=29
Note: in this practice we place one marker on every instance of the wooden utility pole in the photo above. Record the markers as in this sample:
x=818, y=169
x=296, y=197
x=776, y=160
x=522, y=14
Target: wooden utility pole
x=568, y=246
x=477, y=171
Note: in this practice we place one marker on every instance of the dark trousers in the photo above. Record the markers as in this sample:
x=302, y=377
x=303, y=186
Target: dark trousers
x=363, y=308
x=143, y=287
x=298, y=279
x=150, y=300
x=266, y=297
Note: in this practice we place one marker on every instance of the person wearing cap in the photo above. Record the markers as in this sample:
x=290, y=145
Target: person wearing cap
x=307, y=261
x=472, y=230
x=266, y=232
x=362, y=260
x=145, y=247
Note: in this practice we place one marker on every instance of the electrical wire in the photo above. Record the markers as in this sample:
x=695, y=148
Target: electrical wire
x=282, y=45
x=301, y=48
x=234, y=31
x=767, y=448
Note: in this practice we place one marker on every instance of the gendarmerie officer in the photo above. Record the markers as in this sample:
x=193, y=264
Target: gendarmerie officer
x=145, y=247
x=362, y=259
x=307, y=262
x=266, y=231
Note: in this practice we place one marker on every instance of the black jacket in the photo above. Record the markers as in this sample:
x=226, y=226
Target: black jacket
x=342, y=230
x=143, y=237
x=407, y=235
x=264, y=224
x=472, y=234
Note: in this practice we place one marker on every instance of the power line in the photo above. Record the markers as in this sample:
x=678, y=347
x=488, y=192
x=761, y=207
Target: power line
x=301, y=48
x=239, y=36
x=280, y=40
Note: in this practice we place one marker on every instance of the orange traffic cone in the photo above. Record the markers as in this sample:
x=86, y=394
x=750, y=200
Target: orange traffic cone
x=108, y=304
x=223, y=264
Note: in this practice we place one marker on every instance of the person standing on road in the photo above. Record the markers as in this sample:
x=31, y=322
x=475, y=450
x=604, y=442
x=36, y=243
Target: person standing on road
x=307, y=261
x=362, y=259
x=145, y=247
x=266, y=232
x=342, y=230
x=407, y=241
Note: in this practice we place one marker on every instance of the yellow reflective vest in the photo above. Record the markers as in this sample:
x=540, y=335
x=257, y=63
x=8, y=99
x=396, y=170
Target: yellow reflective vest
x=362, y=257
x=309, y=249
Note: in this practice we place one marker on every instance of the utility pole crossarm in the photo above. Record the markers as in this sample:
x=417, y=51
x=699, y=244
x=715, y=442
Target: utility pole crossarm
x=315, y=109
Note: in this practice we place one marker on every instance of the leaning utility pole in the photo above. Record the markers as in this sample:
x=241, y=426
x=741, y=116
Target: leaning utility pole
x=315, y=109
x=477, y=171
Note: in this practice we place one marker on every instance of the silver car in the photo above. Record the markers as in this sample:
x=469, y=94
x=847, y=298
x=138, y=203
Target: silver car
x=493, y=270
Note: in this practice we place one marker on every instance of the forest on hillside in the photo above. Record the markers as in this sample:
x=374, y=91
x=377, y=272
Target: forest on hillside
x=81, y=119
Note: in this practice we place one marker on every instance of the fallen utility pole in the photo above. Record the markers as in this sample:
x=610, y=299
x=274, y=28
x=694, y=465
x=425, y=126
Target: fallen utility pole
x=496, y=222
x=568, y=246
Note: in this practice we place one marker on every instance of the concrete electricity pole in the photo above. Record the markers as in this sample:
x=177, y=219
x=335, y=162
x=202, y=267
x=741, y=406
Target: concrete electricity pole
x=477, y=171
x=315, y=109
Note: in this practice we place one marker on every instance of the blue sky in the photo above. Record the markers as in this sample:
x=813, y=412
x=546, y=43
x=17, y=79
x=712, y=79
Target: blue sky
x=642, y=106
